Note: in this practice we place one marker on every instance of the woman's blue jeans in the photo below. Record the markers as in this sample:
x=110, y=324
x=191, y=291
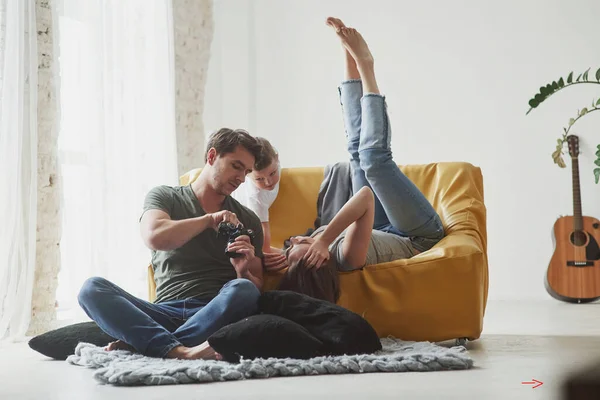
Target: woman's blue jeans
x=400, y=207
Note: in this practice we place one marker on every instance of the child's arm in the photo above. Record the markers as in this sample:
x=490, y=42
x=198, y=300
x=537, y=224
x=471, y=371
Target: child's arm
x=267, y=243
x=274, y=258
x=267, y=234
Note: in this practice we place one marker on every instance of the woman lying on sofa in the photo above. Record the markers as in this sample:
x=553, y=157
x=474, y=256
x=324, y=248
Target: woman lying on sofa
x=388, y=218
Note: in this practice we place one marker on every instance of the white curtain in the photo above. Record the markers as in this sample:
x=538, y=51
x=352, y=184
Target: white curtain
x=18, y=164
x=117, y=136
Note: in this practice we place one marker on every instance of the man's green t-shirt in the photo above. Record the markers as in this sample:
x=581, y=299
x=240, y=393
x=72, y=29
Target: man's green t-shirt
x=199, y=268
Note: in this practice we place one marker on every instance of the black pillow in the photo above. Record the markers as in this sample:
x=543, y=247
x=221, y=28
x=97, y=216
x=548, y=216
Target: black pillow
x=60, y=343
x=264, y=336
x=340, y=330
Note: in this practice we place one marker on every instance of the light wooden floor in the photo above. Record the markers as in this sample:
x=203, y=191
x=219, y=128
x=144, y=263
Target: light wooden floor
x=522, y=341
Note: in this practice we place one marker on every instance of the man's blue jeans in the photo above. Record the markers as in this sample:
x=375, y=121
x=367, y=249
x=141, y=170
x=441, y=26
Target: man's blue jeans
x=400, y=207
x=155, y=329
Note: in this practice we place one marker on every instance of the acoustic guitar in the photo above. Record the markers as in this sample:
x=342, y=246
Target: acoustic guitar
x=574, y=271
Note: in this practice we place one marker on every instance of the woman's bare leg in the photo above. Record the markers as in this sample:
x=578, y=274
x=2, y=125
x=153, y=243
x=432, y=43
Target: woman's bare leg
x=356, y=47
x=351, y=71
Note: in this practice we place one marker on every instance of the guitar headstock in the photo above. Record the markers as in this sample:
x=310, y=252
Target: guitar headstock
x=573, y=142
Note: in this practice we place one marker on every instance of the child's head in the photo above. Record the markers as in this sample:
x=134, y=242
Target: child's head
x=266, y=169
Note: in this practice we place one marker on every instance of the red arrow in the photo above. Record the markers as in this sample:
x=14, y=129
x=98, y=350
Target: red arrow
x=535, y=382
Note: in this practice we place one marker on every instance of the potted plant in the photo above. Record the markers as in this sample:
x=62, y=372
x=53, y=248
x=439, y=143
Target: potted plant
x=556, y=86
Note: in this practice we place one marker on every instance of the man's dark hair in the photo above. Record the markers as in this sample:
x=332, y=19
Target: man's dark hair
x=267, y=154
x=225, y=140
x=322, y=283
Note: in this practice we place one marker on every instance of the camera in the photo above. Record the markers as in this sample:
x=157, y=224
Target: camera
x=231, y=232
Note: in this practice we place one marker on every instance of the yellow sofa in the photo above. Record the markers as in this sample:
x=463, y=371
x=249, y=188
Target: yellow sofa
x=438, y=295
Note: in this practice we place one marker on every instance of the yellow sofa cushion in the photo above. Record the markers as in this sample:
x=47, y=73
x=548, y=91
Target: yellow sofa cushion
x=437, y=295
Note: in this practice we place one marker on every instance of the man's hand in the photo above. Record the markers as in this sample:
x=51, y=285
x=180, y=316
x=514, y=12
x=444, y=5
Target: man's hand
x=249, y=266
x=241, y=245
x=275, y=261
x=223, y=216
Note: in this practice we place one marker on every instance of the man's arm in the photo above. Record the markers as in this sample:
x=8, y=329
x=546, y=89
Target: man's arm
x=254, y=272
x=160, y=232
x=250, y=265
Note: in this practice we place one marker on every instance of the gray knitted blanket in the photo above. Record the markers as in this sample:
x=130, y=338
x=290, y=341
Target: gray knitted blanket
x=122, y=367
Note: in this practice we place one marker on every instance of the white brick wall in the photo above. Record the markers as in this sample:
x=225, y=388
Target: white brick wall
x=193, y=26
x=49, y=189
x=194, y=29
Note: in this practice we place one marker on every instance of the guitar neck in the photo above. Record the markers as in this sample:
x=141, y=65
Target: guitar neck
x=577, y=216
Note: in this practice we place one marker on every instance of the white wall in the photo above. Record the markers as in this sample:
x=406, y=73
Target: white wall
x=457, y=76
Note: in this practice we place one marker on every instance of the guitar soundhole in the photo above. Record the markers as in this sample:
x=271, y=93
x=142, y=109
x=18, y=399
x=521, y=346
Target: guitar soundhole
x=578, y=238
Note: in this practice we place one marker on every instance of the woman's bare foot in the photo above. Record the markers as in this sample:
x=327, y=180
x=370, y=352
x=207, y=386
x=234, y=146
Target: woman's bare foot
x=335, y=23
x=353, y=41
x=356, y=46
x=118, y=345
x=351, y=71
x=201, y=352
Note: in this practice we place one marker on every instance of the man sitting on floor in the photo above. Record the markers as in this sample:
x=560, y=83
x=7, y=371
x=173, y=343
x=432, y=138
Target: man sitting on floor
x=199, y=288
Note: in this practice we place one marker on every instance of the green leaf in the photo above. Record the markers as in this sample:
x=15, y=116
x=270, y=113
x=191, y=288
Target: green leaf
x=598, y=154
x=543, y=91
x=597, y=162
x=585, y=74
x=598, y=75
x=579, y=77
x=570, y=78
x=598, y=103
x=561, y=82
x=554, y=85
x=559, y=142
x=583, y=111
x=571, y=121
x=533, y=103
x=597, y=174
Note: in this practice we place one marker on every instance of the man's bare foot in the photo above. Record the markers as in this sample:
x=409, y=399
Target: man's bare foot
x=201, y=352
x=118, y=345
x=353, y=41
